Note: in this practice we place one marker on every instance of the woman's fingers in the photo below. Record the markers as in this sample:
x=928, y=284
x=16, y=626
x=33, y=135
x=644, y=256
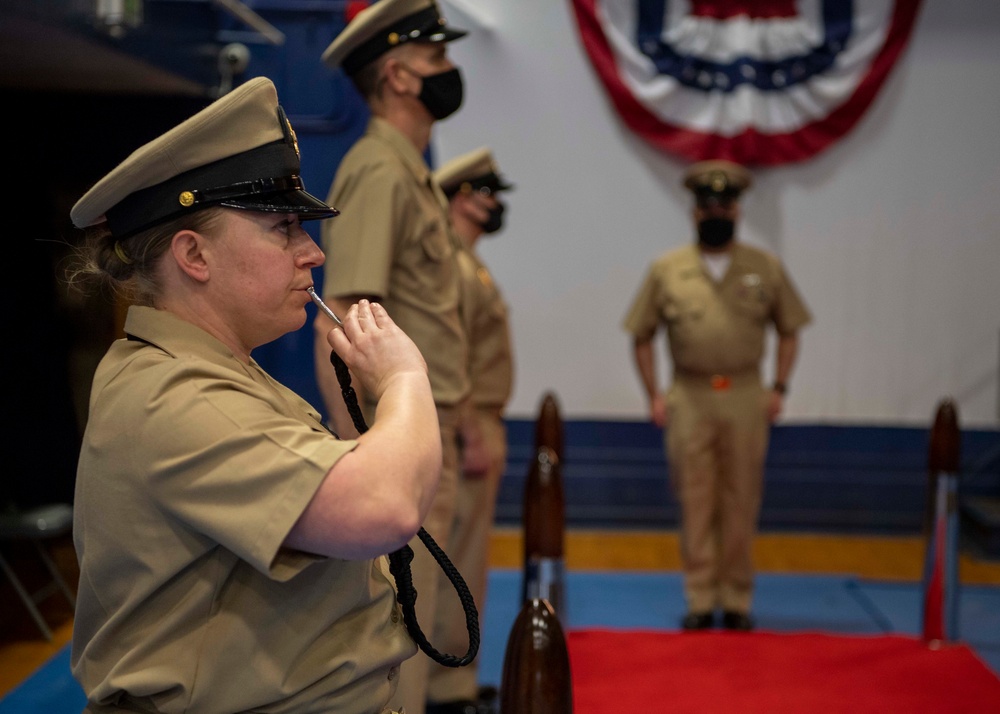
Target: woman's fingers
x=364, y=309
x=365, y=319
x=361, y=319
x=379, y=315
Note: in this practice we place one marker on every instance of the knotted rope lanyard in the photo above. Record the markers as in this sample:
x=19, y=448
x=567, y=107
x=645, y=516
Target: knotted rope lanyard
x=399, y=560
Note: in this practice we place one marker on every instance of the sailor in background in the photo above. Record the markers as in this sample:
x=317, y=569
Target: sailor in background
x=393, y=244
x=473, y=184
x=715, y=300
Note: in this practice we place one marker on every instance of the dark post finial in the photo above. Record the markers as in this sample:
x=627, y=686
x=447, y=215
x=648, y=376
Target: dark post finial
x=549, y=426
x=536, y=676
x=946, y=439
x=544, y=530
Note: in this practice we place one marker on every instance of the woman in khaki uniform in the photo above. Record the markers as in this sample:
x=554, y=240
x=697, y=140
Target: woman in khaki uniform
x=230, y=547
x=715, y=301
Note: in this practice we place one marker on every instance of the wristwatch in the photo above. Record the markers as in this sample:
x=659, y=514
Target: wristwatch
x=781, y=388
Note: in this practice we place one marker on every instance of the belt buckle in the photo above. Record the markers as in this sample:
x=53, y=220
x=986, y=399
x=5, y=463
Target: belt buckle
x=721, y=382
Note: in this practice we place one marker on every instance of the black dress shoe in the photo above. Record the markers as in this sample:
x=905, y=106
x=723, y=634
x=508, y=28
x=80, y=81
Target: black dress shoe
x=489, y=699
x=463, y=706
x=741, y=621
x=698, y=621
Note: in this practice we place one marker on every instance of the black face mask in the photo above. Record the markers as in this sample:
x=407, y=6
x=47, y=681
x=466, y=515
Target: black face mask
x=495, y=220
x=441, y=93
x=715, y=232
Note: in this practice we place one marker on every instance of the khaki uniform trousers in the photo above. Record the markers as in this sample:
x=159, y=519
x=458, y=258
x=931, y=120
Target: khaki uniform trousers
x=716, y=442
x=411, y=691
x=468, y=549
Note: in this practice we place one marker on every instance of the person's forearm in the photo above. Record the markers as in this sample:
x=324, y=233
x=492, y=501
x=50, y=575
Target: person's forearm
x=785, y=355
x=375, y=497
x=645, y=364
x=408, y=437
x=475, y=452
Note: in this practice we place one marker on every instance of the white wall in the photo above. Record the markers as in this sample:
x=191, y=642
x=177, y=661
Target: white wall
x=891, y=234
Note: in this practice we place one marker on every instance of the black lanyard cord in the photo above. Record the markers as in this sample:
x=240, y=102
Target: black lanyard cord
x=399, y=560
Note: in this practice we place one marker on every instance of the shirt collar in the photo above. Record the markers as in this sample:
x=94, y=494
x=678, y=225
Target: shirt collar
x=176, y=336
x=412, y=158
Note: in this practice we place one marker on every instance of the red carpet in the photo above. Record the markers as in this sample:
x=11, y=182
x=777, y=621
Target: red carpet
x=632, y=671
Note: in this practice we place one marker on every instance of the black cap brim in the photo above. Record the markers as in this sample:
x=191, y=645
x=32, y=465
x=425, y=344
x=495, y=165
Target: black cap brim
x=492, y=181
x=299, y=202
x=445, y=34
x=423, y=26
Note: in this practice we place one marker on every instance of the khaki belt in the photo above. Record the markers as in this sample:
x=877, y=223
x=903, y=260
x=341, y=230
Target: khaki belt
x=718, y=382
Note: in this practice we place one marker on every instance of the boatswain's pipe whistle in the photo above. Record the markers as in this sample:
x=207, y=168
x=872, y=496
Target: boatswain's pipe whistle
x=323, y=306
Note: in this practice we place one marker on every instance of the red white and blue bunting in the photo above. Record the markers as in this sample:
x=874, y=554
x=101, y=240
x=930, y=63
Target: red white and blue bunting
x=760, y=82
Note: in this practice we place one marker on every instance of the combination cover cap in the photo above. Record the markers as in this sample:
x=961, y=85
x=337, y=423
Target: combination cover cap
x=384, y=25
x=717, y=178
x=471, y=172
x=240, y=152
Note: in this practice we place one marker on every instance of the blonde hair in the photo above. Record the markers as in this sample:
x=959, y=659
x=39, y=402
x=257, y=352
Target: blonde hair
x=129, y=266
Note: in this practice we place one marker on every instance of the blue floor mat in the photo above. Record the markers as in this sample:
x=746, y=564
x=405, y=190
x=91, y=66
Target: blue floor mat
x=51, y=689
x=783, y=603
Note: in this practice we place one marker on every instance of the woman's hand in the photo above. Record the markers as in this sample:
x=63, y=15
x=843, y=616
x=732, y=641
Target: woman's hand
x=375, y=349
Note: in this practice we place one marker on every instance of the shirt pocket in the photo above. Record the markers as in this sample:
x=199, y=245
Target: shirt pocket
x=682, y=310
x=434, y=242
x=754, y=297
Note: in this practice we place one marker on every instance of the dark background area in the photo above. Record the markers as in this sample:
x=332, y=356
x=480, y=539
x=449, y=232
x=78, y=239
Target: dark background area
x=81, y=92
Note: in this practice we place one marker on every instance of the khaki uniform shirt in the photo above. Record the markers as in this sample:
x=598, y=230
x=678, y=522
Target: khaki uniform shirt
x=393, y=240
x=194, y=468
x=716, y=327
x=484, y=315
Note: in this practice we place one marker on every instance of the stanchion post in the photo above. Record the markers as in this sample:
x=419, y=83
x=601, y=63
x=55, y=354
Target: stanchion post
x=940, y=580
x=536, y=675
x=549, y=426
x=544, y=531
